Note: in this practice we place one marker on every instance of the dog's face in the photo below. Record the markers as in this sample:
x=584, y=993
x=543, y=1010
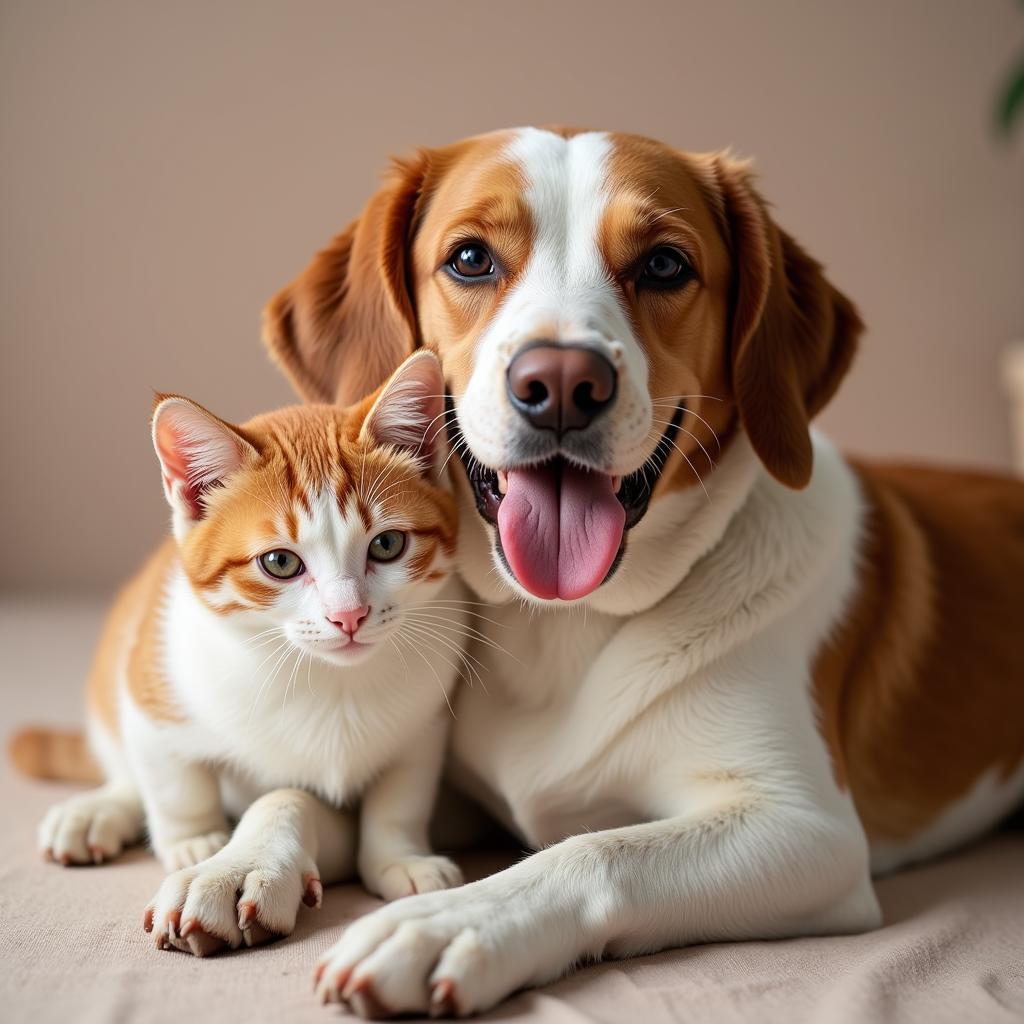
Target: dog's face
x=609, y=313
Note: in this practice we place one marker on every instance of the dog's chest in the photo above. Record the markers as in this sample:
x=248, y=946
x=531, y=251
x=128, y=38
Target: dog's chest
x=516, y=745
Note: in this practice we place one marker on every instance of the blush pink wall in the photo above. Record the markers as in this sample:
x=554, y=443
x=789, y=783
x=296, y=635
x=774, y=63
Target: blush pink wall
x=166, y=167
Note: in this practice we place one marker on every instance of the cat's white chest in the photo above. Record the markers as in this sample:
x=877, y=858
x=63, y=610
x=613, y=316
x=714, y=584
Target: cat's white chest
x=274, y=717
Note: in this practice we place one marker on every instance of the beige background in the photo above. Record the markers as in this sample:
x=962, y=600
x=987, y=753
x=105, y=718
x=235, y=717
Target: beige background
x=167, y=166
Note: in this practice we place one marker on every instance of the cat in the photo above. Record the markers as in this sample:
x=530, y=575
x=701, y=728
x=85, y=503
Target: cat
x=311, y=546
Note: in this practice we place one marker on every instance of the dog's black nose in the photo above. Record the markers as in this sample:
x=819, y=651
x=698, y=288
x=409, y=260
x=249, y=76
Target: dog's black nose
x=561, y=387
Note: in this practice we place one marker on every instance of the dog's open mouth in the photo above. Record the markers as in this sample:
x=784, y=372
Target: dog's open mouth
x=562, y=528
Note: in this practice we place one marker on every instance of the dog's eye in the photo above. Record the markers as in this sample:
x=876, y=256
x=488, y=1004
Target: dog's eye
x=387, y=546
x=472, y=261
x=666, y=267
x=281, y=564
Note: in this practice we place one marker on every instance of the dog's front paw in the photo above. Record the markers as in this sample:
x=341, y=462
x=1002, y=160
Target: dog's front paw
x=230, y=901
x=444, y=953
x=186, y=853
x=407, y=876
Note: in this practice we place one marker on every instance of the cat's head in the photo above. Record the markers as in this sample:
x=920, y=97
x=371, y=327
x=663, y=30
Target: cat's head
x=320, y=524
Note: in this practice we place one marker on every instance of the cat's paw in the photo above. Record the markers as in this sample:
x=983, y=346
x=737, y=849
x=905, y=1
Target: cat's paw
x=89, y=828
x=187, y=853
x=391, y=879
x=231, y=900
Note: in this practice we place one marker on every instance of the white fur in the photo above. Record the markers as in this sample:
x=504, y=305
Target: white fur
x=277, y=698
x=694, y=717
x=659, y=744
x=564, y=294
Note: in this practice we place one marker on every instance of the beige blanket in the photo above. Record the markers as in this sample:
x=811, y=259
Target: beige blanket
x=72, y=948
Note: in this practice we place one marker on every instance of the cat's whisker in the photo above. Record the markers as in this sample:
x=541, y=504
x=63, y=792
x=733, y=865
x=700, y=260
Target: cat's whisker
x=293, y=676
x=262, y=633
x=267, y=675
x=278, y=665
x=262, y=639
x=441, y=415
x=431, y=630
x=426, y=661
x=463, y=629
x=405, y=664
x=464, y=606
x=425, y=634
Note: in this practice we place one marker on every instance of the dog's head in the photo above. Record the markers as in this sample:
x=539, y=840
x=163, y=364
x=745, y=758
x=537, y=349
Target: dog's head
x=610, y=314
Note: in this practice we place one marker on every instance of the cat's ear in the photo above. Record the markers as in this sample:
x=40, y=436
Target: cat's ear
x=408, y=412
x=196, y=452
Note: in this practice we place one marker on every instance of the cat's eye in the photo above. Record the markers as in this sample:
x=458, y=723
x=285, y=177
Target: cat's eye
x=387, y=546
x=281, y=564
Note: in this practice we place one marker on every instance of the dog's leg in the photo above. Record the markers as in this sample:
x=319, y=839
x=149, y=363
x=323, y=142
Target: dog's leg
x=751, y=838
x=757, y=868
x=286, y=845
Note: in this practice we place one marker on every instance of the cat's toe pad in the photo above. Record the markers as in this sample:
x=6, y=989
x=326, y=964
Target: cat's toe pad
x=407, y=876
x=187, y=853
x=88, y=828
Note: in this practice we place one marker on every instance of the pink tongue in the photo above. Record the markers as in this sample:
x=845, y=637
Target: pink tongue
x=560, y=529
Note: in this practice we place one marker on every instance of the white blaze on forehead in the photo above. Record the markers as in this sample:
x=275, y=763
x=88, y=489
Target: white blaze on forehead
x=567, y=196
x=565, y=294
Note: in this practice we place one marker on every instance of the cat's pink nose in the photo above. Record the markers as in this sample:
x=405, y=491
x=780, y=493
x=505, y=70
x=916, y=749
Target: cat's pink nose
x=350, y=620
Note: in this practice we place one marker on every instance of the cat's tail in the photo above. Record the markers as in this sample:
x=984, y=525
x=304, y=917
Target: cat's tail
x=44, y=753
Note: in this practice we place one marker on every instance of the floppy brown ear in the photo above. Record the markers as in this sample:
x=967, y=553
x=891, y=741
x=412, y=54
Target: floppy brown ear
x=341, y=328
x=793, y=334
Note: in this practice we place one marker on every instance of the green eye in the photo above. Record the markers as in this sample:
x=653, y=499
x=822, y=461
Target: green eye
x=387, y=546
x=281, y=564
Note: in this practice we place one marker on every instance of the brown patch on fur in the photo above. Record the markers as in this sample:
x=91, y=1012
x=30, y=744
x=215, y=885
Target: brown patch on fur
x=303, y=451
x=145, y=675
x=120, y=636
x=793, y=334
x=356, y=287
x=53, y=754
x=912, y=691
x=348, y=320
x=480, y=198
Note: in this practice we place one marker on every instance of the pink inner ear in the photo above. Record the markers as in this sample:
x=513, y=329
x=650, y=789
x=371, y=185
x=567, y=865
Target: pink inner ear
x=409, y=412
x=171, y=446
x=196, y=452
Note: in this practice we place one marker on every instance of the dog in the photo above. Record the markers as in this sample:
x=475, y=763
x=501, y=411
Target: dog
x=746, y=673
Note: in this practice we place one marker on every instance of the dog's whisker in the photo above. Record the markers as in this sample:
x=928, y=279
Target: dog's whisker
x=707, y=455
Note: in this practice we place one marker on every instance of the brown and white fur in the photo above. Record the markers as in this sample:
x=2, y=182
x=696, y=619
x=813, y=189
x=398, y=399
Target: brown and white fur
x=217, y=683
x=808, y=673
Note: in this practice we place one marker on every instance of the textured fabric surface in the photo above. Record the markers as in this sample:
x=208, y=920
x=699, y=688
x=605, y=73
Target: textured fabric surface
x=72, y=946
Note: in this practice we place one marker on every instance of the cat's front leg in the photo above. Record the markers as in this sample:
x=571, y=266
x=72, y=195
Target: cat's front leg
x=395, y=858
x=285, y=846
x=184, y=813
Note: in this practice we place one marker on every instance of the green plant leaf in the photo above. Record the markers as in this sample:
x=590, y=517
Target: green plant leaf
x=1011, y=103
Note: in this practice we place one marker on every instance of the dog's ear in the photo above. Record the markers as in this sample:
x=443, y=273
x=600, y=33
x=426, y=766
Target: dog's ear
x=793, y=335
x=342, y=327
